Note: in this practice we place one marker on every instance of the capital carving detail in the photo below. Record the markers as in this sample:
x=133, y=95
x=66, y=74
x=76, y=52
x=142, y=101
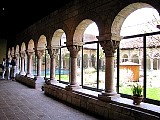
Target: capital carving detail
x=109, y=47
x=74, y=49
x=17, y=55
x=53, y=52
x=39, y=53
x=29, y=54
x=23, y=54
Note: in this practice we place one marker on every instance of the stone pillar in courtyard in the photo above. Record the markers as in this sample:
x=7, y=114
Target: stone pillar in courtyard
x=29, y=65
x=53, y=52
x=109, y=47
x=23, y=54
x=39, y=54
x=73, y=49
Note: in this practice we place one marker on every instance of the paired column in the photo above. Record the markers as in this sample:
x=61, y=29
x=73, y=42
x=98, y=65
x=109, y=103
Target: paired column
x=22, y=63
x=109, y=47
x=53, y=52
x=39, y=54
x=29, y=65
x=74, y=49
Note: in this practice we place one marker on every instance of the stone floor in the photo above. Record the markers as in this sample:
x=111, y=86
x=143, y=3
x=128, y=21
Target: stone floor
x=18, y=102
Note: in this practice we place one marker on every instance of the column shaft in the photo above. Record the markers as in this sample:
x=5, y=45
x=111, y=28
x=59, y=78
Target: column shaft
x=74, y=49
x=109, y=47
x=39, y=54
x=53, y=51
x=29, y=65
x=22, y=64
x=73, y=71
x=52, y=69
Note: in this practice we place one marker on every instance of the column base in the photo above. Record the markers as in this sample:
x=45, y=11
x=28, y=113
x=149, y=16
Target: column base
x=30, y=75
x=39, y=77
x=73, y=87
x=39, y=82
x=108, y=97
x=22, y=73
x=54, y=81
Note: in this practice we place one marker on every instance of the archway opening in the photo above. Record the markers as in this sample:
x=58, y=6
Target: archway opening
x=90, y=61
x=141, y=42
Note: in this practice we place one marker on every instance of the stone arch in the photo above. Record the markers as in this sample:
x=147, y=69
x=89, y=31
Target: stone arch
x=42, y=42
x=135, y=58
x=78, y=35
x=17, y=49
x=125, y=58
x=122, y=15
x=23, y=47
x=31, y=45
x=57, y=37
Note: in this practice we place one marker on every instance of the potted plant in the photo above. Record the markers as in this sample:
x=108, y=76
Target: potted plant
x=137, y=93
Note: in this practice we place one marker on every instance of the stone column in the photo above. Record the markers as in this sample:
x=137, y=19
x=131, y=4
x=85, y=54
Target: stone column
x=53, y=52
x=17, y=62
x=109, y=47
x=74, y=49
x=39, y=54
x=22, y=72
x=29, y=65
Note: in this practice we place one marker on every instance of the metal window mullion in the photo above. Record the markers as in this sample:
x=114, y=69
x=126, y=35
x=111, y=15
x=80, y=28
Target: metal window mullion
x=82, y=68
x=144, y=66
x=118, y=59
x=97, y=66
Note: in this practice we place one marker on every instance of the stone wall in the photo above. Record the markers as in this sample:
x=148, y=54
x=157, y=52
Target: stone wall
x=108, y=110
x=30, y=82
x=102, y=12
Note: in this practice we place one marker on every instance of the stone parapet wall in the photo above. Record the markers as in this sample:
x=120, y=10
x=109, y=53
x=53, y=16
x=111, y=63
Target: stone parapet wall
x=30, y=82
x=107, y=110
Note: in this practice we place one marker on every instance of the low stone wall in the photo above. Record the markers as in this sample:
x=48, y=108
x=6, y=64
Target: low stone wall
x=30, y=82
x=107, y=110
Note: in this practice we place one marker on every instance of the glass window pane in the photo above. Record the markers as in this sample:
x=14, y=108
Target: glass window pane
x=131, y=64
x=79, y=68
x=34, y=63
x=57, y=62
x=43, y=65
x=153, y=67
x=101, y=68
x=47, y=64
x=65, y=65
x=90, y=65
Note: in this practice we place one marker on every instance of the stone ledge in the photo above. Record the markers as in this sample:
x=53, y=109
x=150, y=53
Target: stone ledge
x=144, y=107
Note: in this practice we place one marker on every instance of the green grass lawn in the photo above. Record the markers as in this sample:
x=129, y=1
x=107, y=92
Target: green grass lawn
x=152, y=93
x=63, y=78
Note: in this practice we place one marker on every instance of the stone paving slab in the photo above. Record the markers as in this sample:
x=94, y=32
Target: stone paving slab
x=19, y=102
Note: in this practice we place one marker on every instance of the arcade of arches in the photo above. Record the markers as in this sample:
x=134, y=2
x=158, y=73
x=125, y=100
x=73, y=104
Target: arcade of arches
x=84, y=69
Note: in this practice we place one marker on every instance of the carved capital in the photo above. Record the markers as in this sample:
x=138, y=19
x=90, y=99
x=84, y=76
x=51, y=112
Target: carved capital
x=12, y=55
x=39, y=53
x=74, y=49
x=17, y=55
x=23, y=54
x=29, y=53
x=109, y=47
x=53, y=52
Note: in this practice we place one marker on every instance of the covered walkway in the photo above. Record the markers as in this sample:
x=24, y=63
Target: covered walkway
x=18, y=102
